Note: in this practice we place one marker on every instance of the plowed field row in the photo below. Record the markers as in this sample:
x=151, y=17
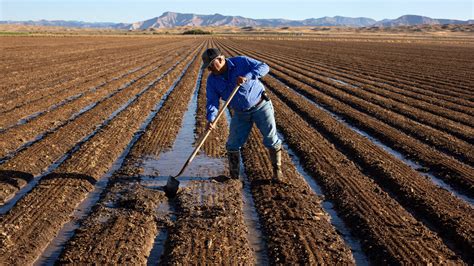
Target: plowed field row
x=440, y=140
x=297, y=229
x=37, y=157
x=33, y=107
x=455, y=102
x=435, y=106
x=50, y=74
x=84, y=157
x=398, y=67
x=125, y=197
x=20, y=51
x=465, y=133
x=85, y=78
x=370, y=212
x=369, y=66
x=25, y=134
x=27, y=228
x=412, y=190
x=353, y=146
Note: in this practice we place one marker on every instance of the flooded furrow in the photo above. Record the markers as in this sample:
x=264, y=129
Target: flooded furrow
x=157, y=170
x=414, y=165
x=54, y=249
x=76, y=115
x=353, y=242
x=252, y=219
x=10, y=203
x=91, y=89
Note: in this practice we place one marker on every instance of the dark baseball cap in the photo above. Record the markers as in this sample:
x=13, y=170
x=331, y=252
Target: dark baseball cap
x=209, y=55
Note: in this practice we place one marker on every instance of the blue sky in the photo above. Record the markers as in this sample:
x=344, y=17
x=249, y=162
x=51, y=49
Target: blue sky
x=131, y=11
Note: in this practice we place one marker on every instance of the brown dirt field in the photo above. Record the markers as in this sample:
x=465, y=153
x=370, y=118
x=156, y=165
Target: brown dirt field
x=415, y=99
x=420, y=68
x=35, y=159
x=317, y=62
x=209, y=227
x=373, y=213
x=299, y=231
x=290, y=126
x=125, y=196
x=410, y=188
x=57, y=117
x=72, y=60
x=86, y=160
x=89, y=135
x=439, y=137
x=39, y=100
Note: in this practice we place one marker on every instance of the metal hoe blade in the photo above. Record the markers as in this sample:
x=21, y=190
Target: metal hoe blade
x=172, y=186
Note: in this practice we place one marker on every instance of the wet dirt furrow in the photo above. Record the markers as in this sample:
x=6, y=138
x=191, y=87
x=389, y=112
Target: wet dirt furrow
x=51, y=147
x=120, y=198
x=44, y=52
x=215, y=211
x=297, y=229
x=26, y=232
x=346, y=65
x=209, y=226
x=25, y=135
x=414, y=191
x=82, y=70
x=215, y=145
x=464, y=133
x=440, y=140
x=25, y=103
x=388, y=232
x=374, y=59
x=451, y=103
x=88, y=63
x=431, y=105
x=432, y=161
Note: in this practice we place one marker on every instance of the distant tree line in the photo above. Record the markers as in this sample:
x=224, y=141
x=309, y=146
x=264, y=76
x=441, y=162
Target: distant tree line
x=197, y=31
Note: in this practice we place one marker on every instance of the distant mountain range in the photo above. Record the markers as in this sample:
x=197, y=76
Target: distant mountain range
x=172, y=19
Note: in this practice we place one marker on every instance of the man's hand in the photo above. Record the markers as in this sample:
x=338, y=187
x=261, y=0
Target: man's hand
x=241, y=80
x=210, y=125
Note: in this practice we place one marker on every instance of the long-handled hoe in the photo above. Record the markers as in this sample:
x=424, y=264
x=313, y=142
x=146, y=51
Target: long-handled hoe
x=172, y=185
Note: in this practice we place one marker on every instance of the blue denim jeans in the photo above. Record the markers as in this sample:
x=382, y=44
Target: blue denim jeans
x=241, y=124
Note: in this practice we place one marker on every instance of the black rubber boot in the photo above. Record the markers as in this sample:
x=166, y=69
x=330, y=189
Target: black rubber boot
x=275, y=157
x=234, y=164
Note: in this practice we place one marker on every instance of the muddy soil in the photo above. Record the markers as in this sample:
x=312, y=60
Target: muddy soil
x=88, y=177
x=25, y=232
x=37, y=158
x=410, y=188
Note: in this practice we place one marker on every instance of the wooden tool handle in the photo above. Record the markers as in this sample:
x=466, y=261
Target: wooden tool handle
x=208, y=131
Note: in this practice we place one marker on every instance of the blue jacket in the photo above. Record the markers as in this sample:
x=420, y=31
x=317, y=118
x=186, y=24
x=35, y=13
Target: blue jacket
x=221, y=86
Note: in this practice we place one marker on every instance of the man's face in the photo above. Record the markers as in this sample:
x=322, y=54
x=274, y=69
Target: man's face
x=216, y=66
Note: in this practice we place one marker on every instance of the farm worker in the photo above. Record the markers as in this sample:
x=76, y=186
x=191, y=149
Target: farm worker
x=250, y=105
